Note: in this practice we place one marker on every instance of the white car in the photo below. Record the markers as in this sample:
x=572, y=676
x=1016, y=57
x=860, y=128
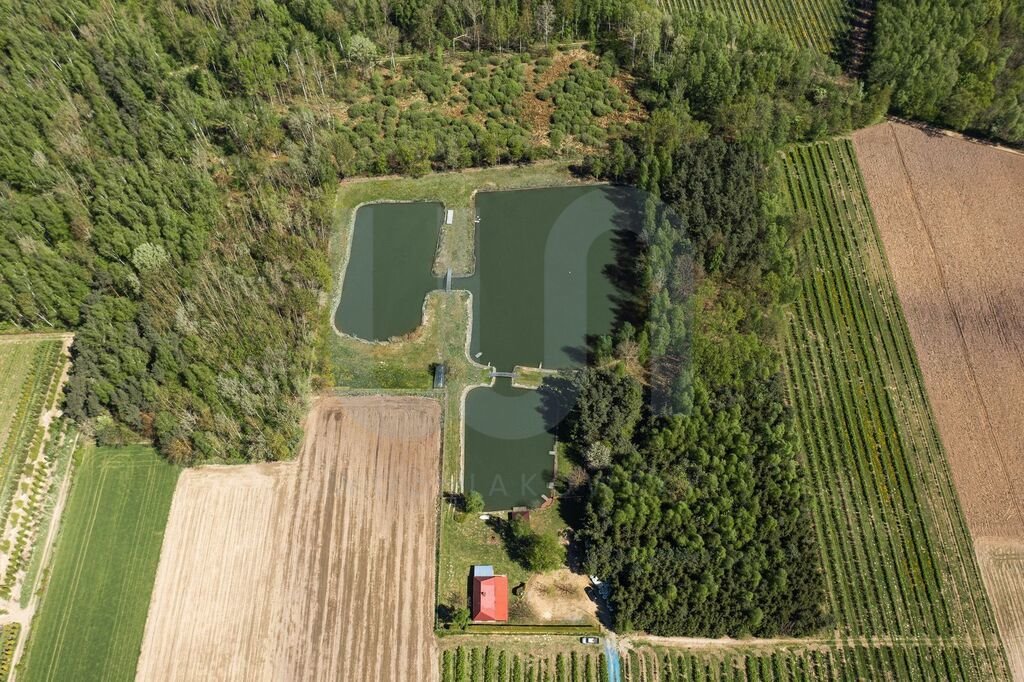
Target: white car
x=590, y=640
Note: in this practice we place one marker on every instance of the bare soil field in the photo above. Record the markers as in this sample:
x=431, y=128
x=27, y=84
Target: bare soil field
x=320, y=569
x=951, y=215
x=561, y=596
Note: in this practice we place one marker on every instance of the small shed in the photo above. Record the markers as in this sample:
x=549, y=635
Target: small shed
x=439, y=372
x=449, y=217
x=519, y=514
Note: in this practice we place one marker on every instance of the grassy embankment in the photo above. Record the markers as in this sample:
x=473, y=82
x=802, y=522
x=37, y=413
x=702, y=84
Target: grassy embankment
x=92, y=616
x=404, y=364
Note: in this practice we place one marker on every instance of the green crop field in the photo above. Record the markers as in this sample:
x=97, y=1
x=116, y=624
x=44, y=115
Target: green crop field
x=30, y=371
x=820, y=24
x=494, y=664
x=856, y=662
x=897, y=557
x=93, y=611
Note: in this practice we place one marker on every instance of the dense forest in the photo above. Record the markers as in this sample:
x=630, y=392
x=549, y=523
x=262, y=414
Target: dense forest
x=166, y=178
x=958, y=63
x=697, y=512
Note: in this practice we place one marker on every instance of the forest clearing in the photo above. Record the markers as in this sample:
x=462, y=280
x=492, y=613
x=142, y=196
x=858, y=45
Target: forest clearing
x=949, y=211
x=325, y=565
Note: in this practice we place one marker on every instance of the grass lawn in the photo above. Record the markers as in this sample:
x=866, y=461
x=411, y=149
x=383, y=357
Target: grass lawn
x=530, y=377
x=92, y=616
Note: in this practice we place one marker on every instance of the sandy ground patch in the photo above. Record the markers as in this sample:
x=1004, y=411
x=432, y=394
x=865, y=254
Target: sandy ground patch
x=951, y=216
x=320, y=569
x=561, y=597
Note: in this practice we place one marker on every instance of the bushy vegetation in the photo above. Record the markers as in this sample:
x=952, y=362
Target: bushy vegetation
x=581, y=98
x=536, y=552
x=958, y=63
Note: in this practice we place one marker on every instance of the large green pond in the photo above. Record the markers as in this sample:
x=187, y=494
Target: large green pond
x=540, y=287
x=389, y=269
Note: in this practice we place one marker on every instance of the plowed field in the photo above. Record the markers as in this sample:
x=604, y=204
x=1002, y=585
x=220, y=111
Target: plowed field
x=320, y=569
x=951, y=216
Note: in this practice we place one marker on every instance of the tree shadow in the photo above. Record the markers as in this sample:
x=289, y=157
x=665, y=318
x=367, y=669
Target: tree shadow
x=852, y=51
x=557, y=402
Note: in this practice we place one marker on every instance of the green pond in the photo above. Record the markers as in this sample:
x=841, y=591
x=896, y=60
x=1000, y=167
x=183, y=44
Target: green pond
x=389, y=269
x=508, y=449
x=542, y=290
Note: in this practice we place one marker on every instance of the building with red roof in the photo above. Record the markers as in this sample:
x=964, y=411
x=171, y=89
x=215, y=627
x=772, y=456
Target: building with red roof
x=490, y=595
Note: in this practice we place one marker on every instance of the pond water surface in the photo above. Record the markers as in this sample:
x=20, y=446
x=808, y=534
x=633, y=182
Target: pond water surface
x=389, y=269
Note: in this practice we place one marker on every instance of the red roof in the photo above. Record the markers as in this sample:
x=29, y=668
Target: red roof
x=490, y=598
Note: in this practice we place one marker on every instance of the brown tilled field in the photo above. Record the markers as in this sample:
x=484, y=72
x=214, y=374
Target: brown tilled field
x=320, y=569
x=951, y=215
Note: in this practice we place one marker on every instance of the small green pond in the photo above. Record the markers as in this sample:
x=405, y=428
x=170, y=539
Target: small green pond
x=508, y=458
x=389, y=269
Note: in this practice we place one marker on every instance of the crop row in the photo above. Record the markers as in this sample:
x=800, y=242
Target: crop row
x=44, y=487
x=895, y=550
x=9, y=633
x=809, y=23
x=25, y=435
x=492, y=664
x=857, y=662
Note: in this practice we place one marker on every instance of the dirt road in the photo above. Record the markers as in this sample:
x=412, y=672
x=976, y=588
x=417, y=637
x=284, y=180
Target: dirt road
x=320, y=569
